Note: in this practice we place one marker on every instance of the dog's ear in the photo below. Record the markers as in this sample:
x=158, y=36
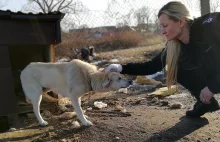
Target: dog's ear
x=106, y=83
x=107, y=80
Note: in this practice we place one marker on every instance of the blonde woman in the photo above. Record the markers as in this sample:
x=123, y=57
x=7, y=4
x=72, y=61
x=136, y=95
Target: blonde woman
x=192, y=55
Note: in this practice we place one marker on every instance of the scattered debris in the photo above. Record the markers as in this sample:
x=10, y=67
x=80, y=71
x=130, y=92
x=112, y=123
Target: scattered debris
x=147, y=81
x=155, y=100
x=153, y=76
x=89, y=109
x=47, y=113
x=67, y=115
x=164, y=91
x=12, y=129
x=164, y=103
x=63, y=108
x=119, y=108
x=100, y=105
x=176, y=106
x=75, y=124
x=114, y=61
x=123, y=90
x=65, y=59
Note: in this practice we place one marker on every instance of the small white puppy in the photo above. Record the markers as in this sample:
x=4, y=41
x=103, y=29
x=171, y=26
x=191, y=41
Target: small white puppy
x=71, y=79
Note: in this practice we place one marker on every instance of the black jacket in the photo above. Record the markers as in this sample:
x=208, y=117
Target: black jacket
x=202, y=54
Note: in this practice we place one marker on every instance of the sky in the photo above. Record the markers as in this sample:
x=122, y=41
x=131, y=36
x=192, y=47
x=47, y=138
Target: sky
x=14, y=5
x=98, y=14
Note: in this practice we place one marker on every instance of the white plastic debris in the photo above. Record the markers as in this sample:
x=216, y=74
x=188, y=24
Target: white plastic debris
x=152, y=76
x=100, y=104
x=113, y=61
x=75, y=125
x=12, y=129
x=89, y=109
x=123, y=90
x=63, y=60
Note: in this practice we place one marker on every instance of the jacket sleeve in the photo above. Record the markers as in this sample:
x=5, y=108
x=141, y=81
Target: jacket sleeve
x=146, y=68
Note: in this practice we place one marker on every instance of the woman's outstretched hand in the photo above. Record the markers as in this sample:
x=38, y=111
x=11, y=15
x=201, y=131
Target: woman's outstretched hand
x=113, y=68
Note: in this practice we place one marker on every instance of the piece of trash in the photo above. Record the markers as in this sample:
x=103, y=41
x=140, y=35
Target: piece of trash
x=113, y=61
x=12, y=129
x=75, y=124
x=100, y=105
x=155, y=100
x=123, y=90
x=147, y=81
x=89, y=109
x=118, y=108
x=152, y=76
x=163, y=92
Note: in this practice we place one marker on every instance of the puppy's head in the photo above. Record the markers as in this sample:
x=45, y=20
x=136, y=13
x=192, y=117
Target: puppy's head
x=114, y=81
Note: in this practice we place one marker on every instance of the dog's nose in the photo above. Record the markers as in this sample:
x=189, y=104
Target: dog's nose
x=130, y=81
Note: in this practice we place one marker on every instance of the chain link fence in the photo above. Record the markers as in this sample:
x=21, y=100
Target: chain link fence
x=115, y=24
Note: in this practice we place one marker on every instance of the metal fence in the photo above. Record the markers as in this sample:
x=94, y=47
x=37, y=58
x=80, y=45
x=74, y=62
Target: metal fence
x=117, y=24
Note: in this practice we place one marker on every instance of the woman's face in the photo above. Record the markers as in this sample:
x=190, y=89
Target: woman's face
x=170, y=29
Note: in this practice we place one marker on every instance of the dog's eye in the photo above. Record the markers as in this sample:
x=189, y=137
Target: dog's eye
x=119, y=78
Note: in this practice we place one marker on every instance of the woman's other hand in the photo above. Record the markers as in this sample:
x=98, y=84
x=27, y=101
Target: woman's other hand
x=206, y=95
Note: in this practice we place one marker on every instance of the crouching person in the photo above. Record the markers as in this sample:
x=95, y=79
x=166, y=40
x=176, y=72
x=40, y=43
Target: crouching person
x=191, y=56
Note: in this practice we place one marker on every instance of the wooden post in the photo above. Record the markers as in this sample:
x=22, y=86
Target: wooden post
x=205, y=6
x=52, y=53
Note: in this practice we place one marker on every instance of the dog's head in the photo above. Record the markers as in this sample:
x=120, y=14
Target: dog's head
x=114, y=81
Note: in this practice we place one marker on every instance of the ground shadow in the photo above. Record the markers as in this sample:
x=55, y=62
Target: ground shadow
x=180, y=130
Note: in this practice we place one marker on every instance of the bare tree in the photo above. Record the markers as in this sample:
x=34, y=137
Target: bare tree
x=143, y=17
x=47, y=6
x=71, y=8
x=214, y=5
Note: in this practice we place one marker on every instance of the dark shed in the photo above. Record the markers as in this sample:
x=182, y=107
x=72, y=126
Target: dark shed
x=24, y=38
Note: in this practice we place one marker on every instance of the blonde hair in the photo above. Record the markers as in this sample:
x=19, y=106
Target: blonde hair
x=175, y=11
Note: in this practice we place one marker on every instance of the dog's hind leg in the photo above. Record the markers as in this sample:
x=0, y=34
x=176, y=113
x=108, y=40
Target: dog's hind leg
x=33, y=90
x=77, y=107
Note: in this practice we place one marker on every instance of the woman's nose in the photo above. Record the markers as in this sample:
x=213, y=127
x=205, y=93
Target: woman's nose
x=163, y=30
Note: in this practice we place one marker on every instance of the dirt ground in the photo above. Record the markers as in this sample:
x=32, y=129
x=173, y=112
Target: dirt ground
x=140, y=120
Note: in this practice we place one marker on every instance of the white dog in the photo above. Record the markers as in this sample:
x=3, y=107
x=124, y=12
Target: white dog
x=71, y=79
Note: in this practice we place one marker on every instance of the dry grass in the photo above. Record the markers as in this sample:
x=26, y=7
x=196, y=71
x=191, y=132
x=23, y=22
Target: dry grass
x=119, y=40
x=139, y=54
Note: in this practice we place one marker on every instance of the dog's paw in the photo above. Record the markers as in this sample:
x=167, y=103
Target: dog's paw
x=44, y=123
x=88, y=123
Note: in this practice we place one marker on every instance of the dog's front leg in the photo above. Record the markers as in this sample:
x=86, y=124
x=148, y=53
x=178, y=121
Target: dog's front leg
x=77, y=107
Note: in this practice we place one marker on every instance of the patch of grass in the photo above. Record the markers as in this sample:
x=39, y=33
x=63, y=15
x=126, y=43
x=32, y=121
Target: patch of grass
x=139, y=54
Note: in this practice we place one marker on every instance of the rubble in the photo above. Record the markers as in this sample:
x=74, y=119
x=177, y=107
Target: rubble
x=99, y=104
